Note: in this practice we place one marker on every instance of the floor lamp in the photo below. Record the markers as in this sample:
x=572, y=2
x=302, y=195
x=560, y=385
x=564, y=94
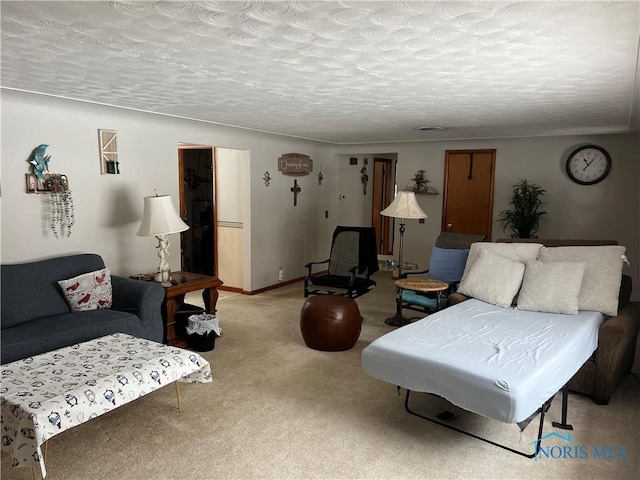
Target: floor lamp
x=404, y=206
x=161, y=219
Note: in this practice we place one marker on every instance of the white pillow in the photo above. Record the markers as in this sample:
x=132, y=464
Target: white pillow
x=522, y=252
x=602, y=274
x=493, y=279
x=551, y=287
x=89, y=291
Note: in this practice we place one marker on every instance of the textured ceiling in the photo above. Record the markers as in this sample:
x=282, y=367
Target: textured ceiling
x=337, y=71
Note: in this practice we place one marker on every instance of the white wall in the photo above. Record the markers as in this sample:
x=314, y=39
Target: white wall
x=231, y=184
x=108, y=208
x=608, y=210
x=360, y=205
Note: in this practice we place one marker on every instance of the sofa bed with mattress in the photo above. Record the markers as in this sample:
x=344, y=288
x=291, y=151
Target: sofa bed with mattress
x=531, y=324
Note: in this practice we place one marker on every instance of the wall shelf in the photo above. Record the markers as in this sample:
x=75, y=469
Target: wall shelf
x=37, y=186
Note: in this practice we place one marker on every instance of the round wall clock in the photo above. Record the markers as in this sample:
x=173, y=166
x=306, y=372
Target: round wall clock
x=588, y=164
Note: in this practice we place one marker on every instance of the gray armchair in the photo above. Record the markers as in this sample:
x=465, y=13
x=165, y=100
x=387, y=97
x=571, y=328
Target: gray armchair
x=352, y=261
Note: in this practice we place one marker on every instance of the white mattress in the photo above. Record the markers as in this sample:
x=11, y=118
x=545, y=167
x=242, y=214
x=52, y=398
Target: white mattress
x=502, y=363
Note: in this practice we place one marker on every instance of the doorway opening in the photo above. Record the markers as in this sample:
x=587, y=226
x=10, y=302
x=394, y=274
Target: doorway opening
x=197, y=208
x=384, y=186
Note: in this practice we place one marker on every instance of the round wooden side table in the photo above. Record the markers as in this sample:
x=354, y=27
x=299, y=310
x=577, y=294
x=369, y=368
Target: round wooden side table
x=419, y=285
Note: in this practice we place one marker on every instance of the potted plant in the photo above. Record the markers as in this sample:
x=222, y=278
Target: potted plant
x=61, y=203
x=524, y=218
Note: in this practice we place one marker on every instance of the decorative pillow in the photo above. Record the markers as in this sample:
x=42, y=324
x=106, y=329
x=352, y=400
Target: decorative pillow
x=551, y=287
x=447, y=264
x=89, y=291
x=493, y=279
x=521, y=252
x=602, y=274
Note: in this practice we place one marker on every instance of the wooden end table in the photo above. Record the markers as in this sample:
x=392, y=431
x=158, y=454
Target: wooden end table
x=174, y=297
x=418, y=285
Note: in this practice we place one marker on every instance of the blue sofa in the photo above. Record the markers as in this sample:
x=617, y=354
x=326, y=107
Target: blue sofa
x=35, y=317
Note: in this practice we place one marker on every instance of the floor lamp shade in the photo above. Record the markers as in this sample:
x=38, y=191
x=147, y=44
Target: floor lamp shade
x=160, y=219
x=404, y=205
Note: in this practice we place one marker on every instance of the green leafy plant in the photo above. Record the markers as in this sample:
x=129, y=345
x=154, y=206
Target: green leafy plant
x=61, y=203
x=524, y=218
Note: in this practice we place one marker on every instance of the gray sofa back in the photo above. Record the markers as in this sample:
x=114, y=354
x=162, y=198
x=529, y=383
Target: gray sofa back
x=30, y=290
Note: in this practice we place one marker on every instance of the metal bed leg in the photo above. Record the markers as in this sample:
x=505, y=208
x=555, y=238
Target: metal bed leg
x=563, y=424
x=538, y=441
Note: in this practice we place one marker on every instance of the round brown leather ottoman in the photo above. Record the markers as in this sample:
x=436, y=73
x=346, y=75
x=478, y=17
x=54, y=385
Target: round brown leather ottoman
x=330, y=323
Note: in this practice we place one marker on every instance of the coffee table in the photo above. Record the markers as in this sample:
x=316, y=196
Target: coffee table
x=419, y=285
x=45, y=395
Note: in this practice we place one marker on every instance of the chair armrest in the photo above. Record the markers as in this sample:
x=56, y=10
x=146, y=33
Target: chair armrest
x=614, y=356
x=142, y=298
x=419, y=272
x=456, y=297
x=360, y=269
x=309, y=266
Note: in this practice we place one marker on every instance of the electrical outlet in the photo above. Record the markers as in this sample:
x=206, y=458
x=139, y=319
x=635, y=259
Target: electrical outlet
x=281, y=274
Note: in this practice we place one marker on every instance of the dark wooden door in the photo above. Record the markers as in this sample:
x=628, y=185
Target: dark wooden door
x=198, y=244
x=468, y=192
x=383, y=183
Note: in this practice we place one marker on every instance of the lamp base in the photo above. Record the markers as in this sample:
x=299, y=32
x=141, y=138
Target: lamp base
x=397, y=321
x=163, y=278
x=164, y=273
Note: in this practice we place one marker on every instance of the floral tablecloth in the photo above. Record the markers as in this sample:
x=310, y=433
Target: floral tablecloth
x=45, y=395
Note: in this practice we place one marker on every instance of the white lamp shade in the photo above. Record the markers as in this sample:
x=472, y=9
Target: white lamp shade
x=160, y=217
x=404, y=205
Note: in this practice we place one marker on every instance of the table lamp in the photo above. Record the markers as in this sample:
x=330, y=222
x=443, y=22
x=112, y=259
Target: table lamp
x=160, y=218
x=403, y=206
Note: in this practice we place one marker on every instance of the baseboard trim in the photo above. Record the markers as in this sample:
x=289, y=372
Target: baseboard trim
x=267, y=288
x=276, y=286
x=230, y=289
x=270, y=287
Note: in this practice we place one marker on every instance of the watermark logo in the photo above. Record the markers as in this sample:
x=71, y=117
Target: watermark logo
x=568, y=449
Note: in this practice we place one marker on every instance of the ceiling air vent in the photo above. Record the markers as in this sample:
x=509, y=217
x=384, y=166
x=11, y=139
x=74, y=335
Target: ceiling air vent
x=429, y=129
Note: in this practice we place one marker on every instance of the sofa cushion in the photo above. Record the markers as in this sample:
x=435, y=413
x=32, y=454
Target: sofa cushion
x=522, y=252
x=23, y=283
x=89, y=291
x=551, y=287
x=602, y=275
x=447, y=264
x=51, y=333
x=493, y=279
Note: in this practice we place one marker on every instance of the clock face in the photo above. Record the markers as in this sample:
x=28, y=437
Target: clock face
x=588, y=165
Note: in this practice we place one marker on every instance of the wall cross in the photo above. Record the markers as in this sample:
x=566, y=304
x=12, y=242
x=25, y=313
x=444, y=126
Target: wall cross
x=296, y=190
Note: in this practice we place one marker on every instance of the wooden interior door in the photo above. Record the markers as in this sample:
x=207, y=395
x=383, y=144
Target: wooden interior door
x=468, y=192
x=383, y=187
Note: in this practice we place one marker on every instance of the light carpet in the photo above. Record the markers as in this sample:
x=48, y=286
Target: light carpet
x=279, y=410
